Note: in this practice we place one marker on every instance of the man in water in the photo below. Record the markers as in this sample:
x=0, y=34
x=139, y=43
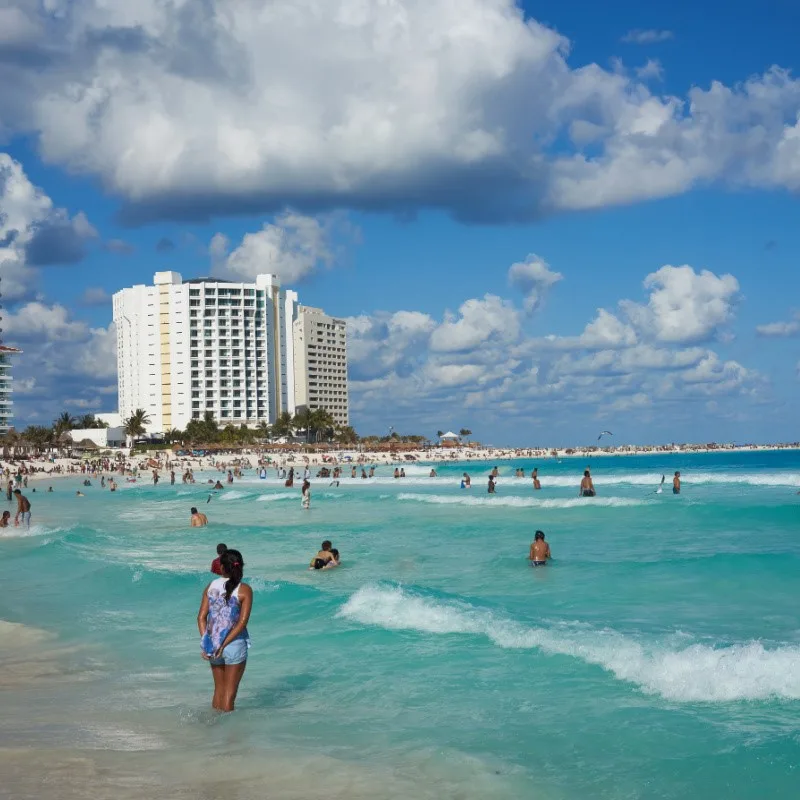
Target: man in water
x=587, y=486
x=218, y=485
x=495, y=472
x=491, y=485
x=23, y=509
x=327, y=557
x=540, y=550
x=676, y=483
x=535, y=476
x=216, y=564
x=197, y=519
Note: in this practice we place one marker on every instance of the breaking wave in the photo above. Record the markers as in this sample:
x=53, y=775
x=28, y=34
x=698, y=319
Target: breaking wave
x=695, y=673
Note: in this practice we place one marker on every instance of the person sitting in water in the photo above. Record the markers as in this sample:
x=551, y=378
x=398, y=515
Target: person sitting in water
x=197, y=519
x=540, y=550
x=676, y=483
x=587, y=487
x=5, y=520
x=326, y=557
x=432, y=473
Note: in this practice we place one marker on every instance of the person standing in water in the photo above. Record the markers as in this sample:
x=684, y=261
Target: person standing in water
x=587, y=486
x=306, y=494
x=491, y=485
x=222, y=621
x=540, y=550
x=23, y=509
x=676, y=483
x=216, y=564
x=535, y=476
x=465, y=481
x=10, y=490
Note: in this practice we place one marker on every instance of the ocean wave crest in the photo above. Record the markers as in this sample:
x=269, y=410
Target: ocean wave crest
x=696, y=673
x=515, y=501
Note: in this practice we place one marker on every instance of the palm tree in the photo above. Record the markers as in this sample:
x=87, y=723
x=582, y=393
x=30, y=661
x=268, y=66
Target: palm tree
x=283, y=425
x=173, y=436
x=303, y=420
x=465, y=433
x=135, y=424
x=262, y=431
x=38, y=435
x=63, y=423
x=322, y=423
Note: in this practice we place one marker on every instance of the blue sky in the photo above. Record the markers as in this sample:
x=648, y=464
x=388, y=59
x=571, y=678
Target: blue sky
x=470, y=186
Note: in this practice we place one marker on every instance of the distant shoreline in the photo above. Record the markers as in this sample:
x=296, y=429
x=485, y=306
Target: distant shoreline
x=346, y=459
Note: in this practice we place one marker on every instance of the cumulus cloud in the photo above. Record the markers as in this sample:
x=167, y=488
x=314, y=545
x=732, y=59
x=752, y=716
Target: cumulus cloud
x=684, y=306
x=479, y=321
x=469, y=107
x=33, y=232
x=534, y=278
x=292, y=247
x=647, y=36
x=780, y=329
x=651, y=70
x=643, y=358
x=62, y=358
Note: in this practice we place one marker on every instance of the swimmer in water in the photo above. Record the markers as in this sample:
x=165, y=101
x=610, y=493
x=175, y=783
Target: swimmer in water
x=197, y=520
x=540, y=550
x=326, y=558
x=676, y=483
x=587, y=486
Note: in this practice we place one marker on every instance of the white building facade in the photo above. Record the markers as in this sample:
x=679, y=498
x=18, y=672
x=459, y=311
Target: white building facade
x=185, y=348
x=320, y=363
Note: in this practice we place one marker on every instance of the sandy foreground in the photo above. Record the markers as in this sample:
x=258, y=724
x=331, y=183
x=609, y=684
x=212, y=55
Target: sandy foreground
x=49, y=469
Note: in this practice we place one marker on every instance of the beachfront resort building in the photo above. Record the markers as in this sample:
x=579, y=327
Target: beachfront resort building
x=320, y=363
x=5, y=385
x=185, y=348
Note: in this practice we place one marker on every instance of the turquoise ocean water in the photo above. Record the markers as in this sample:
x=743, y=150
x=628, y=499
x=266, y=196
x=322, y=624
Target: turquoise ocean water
x=658, y=656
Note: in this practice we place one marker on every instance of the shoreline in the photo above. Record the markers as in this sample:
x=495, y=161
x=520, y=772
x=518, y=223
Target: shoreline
x=348, y=458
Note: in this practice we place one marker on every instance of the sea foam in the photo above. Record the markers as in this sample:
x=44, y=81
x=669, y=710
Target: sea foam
x=696, y=673
x=519, y=502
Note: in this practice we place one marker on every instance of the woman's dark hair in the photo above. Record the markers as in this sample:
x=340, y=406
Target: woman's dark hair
x=221, y=548
x=233, y=565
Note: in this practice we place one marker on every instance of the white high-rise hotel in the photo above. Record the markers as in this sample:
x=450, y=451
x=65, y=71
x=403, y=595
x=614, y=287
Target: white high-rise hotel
x=188, y=347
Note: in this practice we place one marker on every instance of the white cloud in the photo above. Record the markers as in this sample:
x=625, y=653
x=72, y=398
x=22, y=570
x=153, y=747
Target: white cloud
x=33, y=232
x=790, y=328
x=534, y=278
x=479, y=322
x=291, y=248
x=389, y=106
x=36, y=320
x=684, y=306
x=647, y=36
x=651, y=70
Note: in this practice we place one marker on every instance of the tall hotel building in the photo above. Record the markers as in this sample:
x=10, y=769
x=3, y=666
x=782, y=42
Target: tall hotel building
x=5, y=385
x=320, y=363
x=185, y=348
